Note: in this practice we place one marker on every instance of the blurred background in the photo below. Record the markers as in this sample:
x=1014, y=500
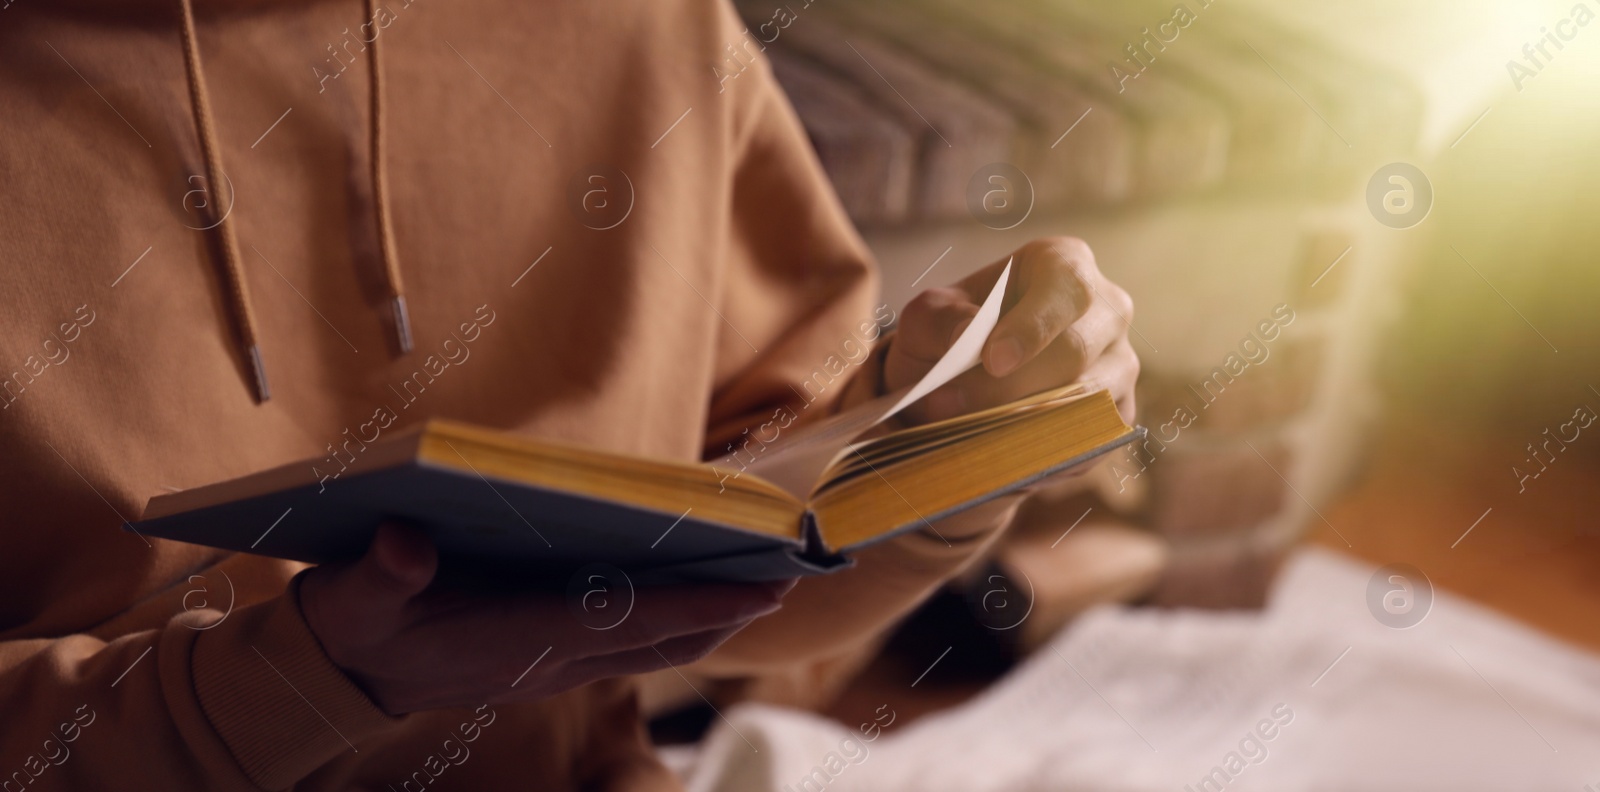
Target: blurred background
x=1362, y=241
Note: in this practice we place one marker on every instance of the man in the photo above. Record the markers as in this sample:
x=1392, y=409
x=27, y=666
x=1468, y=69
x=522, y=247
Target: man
x=238, y=235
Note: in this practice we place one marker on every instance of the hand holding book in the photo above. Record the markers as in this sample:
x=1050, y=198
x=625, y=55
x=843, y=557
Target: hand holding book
x=1062, y=321
x=413, y=646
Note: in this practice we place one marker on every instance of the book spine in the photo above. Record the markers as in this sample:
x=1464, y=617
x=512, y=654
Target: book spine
x=813, y=550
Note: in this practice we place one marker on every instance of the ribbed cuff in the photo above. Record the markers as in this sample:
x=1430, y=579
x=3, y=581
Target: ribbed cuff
x=279, y=704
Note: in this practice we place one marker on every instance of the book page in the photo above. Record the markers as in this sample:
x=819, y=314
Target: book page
x=794, y=463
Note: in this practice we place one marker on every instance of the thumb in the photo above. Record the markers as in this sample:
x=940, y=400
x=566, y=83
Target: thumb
x=929, y=324
x=350, y=607
x=399, y=564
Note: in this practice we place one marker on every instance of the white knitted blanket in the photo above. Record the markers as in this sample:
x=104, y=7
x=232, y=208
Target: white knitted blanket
x=1311, y=694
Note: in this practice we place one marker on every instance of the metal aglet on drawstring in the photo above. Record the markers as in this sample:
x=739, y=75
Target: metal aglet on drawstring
x=402, y=324
x=263, y=393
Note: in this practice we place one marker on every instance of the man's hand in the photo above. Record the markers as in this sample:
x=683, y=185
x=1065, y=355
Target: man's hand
x=412, y=647
x=1061, y=322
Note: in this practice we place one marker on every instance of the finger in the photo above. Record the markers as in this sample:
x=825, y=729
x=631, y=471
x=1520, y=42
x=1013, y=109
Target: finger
x=977, y=390
x=1064, y=359
x=782, y=587
x=404, y=560
x=1115, y=368
x=1117, y=371
x=929, y=324
x=1052, y=283
x=454, y=624
x=673, y=652
x=978, y=285
x=398, y=565
x=931, y=321
x=661, y=613
x=364, y=601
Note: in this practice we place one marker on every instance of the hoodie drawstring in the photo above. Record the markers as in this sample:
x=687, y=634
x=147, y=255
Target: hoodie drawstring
x=238, y=293
x=380, y=191
x=238, y=297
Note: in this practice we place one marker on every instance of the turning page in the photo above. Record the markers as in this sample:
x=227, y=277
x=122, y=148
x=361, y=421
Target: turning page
x=794, y=463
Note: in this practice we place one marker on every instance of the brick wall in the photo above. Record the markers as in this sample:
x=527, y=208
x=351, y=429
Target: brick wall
x=1223, y=183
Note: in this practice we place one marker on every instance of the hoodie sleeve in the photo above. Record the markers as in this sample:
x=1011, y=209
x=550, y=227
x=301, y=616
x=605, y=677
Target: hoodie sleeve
x=196, y=704
x=798, y=284
x=797, y=268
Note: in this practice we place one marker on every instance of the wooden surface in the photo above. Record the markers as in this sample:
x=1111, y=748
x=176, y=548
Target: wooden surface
x=1534, y=557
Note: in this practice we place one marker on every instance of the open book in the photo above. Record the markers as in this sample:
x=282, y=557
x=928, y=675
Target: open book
x=493, y=500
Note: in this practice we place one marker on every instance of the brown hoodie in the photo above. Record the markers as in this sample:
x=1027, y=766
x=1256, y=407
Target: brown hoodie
x=606, y=227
